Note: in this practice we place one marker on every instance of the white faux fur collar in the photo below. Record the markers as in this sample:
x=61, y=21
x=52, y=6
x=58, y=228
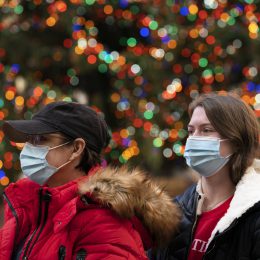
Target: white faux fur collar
x=247, y=194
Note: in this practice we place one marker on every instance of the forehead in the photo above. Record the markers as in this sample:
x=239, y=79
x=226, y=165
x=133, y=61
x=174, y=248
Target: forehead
x=199, y=117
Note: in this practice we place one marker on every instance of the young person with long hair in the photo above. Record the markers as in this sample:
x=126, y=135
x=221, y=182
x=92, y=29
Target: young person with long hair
x=221, y=213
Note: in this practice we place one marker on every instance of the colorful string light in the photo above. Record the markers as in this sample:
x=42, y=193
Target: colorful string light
x=167, y=55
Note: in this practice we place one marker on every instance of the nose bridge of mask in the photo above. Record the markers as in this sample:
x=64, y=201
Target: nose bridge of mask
x=37, y=151
x=34, y=151
x=203, y=144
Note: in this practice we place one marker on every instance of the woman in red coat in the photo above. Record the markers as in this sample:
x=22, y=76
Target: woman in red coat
x=67, y=207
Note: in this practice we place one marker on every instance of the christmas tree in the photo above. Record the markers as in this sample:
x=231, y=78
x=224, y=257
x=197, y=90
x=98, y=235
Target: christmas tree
x=139, y=63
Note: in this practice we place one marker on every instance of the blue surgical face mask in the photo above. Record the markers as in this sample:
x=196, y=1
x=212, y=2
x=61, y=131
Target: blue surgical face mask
x=202, y=154
x=34, y=164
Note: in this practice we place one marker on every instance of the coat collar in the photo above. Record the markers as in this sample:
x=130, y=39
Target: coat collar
x=131, y=193
x=246, y=195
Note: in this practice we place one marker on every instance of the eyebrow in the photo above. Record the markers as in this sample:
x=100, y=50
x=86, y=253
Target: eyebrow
x=189, y=125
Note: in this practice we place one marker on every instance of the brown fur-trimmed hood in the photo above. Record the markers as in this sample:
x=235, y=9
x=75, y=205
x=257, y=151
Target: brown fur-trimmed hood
x=131, y=193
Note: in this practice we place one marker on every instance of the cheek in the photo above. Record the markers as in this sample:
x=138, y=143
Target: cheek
x=225, y=149
x=52, y=158
x=56, y=159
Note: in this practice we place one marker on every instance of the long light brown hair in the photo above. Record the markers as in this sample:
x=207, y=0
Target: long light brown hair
x=234, y=120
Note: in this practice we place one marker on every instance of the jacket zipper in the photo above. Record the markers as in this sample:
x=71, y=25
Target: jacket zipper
x=11, y=207
x=62, y=252
x=193, y=227
x=40, y=224
x=47, y=199
x=81, y=254
x=12, y=210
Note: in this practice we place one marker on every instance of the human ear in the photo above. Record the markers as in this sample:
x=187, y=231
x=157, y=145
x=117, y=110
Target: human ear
x=78, y=148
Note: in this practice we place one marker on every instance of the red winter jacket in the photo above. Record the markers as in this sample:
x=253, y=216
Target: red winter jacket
x=91, y=218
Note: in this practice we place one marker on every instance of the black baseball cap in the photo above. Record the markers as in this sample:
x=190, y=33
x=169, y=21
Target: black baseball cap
x=70, y=118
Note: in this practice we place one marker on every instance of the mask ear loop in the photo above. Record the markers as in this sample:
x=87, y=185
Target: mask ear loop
x=228, y=154
x=64, y=164
x=60, y=145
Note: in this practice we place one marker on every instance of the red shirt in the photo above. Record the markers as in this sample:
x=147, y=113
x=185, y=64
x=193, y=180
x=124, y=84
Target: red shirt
x=205, y=225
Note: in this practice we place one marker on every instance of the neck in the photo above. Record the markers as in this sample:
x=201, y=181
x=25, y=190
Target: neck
x=62, y=177
x=217, y=189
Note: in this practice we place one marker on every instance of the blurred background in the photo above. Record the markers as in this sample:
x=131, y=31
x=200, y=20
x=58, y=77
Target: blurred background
x=137, y=62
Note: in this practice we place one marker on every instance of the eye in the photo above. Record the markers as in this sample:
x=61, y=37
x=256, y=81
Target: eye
x=190, y=131
x=36, y=139
x=42, y=138
x=208, y=130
